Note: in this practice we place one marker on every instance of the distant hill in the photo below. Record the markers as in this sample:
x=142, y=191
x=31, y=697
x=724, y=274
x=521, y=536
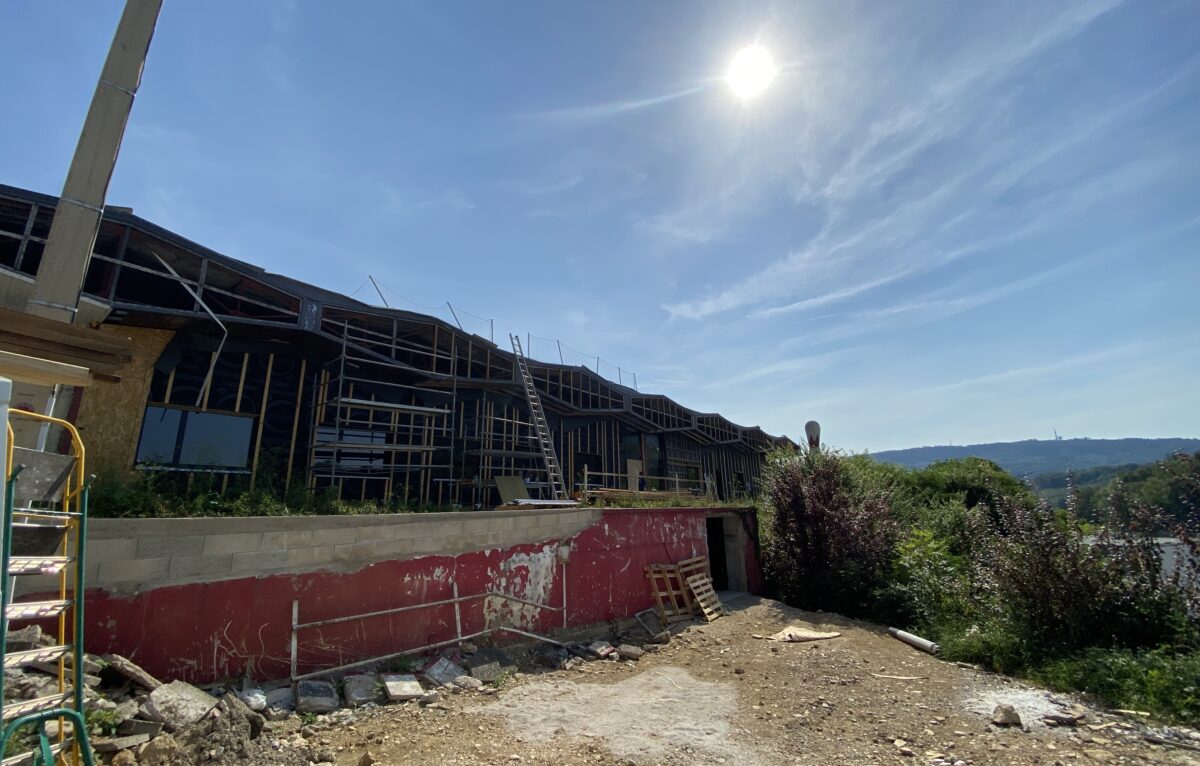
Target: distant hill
x=1035, y=456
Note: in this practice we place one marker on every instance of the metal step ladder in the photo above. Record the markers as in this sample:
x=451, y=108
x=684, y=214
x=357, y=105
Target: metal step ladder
x=44, y=529
x=558, y=487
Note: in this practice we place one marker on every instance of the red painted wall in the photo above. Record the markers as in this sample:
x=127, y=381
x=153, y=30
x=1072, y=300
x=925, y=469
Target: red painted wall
x=206, y=632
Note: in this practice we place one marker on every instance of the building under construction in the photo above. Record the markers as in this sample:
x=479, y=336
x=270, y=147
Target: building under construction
x=255, y=379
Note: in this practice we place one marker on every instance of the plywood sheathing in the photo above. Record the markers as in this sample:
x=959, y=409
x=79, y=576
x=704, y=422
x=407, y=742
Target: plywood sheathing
x=110, y=414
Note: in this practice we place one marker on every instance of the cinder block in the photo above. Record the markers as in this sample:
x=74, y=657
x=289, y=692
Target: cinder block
x=382, y=532
x=503, y=524
x=477, y=527
x=155, y=547
x=413, y=530
x=355, y=552
x=147, y=571
x=550, y=520
x=431, y=544
x=315, y=556
x=103, y=550
x=259, y=561
x=273, y=541
x=525, y=522
x=234, y=543
x=385, y=549
x=200, y=566
x=298, y=538
x=334, y=536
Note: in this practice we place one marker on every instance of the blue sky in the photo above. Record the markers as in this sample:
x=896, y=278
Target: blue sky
x=943, y=222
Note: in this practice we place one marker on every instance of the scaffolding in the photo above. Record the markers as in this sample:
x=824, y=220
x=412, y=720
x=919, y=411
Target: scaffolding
x=388, y=440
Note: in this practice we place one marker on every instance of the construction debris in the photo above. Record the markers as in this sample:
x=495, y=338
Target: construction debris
x=316, y=697
x=131, y=670
x=795, y=634
x=443, y=672
x=362, y=689
x=1006, y=715
x=400, y=688
x=178, y=704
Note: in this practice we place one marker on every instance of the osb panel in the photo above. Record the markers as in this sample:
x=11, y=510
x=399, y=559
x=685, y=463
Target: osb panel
x=110, y=414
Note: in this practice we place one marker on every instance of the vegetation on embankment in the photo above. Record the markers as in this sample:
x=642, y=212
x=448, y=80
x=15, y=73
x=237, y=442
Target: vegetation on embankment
x=1166, y=484
x=967, y=556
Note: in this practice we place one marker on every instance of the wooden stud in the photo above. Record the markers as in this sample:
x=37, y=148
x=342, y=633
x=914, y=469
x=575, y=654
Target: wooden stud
x=262, y=416
x=295, y=420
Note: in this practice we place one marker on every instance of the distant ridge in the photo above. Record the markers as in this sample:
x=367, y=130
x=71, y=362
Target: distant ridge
x=1034, y=456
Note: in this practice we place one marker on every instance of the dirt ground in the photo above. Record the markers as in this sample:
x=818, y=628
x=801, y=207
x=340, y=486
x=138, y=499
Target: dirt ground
x=716, y=695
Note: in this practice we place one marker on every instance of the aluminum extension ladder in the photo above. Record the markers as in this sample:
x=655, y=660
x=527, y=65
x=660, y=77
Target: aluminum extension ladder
x=44, y=527
x=558, y=487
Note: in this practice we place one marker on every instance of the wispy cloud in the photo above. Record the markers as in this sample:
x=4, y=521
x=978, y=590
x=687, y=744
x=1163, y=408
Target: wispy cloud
x=411, y=201
x=615, y=108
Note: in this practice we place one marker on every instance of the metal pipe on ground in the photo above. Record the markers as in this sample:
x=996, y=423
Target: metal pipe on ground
x=917, y=642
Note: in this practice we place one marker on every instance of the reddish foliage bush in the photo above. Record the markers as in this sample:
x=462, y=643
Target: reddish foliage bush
x=831, y=541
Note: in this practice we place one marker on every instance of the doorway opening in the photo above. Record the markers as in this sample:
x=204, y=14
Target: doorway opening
x=717, y=561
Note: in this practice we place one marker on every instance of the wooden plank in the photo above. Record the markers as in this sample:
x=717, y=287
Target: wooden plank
x=262, y=416
x=707, y=599
x=43, y=372
x=33, y=326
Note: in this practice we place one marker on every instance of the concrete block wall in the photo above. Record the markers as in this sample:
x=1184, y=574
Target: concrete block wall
x=127, y=555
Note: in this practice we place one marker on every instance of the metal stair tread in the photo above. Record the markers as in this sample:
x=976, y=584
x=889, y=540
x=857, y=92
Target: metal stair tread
x=37, y=609
x=42, y=654
x=15, y=709
x=27, y=756
x=37, y=565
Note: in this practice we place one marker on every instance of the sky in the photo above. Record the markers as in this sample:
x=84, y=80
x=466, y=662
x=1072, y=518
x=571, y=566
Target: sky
x=941, y=223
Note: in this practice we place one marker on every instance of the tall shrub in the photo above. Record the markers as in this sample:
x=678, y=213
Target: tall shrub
x=831, y=539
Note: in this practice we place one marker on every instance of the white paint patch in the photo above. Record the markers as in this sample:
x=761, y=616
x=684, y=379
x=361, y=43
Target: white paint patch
x=529, y=576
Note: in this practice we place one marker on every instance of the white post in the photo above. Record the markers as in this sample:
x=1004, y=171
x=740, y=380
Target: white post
x=295, y=622
x=457, y=612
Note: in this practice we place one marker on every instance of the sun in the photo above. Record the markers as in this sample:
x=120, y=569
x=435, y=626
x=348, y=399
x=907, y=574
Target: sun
x=751, y=71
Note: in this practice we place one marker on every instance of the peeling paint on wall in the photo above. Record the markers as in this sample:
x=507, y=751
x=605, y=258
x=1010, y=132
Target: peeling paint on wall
x=528, y=576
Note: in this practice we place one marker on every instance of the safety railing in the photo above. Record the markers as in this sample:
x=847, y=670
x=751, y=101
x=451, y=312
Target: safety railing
x=455, y=600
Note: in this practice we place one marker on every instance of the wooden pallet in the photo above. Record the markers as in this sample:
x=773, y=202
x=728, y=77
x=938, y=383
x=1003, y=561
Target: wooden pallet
x=706, y=598
x=672, y=597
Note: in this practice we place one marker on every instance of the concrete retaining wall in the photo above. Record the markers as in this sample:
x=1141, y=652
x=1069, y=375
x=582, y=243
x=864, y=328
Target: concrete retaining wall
x=204, y=599
x=135, y=554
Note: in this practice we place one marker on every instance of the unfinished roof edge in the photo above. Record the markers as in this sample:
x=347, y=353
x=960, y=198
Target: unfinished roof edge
x=305, y=291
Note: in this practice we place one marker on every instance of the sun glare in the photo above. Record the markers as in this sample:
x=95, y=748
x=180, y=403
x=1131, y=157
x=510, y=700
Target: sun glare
x=751, y=71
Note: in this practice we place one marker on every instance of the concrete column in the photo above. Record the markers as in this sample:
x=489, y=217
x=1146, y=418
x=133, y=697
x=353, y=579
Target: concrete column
x=77, y=219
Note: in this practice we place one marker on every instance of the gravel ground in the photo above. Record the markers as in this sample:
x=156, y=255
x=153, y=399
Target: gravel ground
x=716, y=695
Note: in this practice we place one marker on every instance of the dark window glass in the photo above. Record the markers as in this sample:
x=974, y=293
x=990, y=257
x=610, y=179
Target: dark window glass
x=214, y=440
x=189, y=439
x=160, y=432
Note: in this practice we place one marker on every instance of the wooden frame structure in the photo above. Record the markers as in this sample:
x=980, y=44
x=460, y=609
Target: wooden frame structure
x=369, y=403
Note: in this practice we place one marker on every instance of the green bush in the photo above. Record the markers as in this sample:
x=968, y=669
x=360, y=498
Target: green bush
x=1161, y=681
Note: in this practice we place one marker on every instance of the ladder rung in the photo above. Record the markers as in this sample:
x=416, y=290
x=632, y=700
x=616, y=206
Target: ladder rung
x=27, y=756
x=19, y=708
x=44, y=654
x=39, y=565
x=37, y=609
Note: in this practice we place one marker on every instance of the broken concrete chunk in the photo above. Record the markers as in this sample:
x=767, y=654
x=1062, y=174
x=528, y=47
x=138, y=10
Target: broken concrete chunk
x=26, y=638
x=163, y=750
x=112, y=745
x=489, y=665
x=630, y=652
x=429, y=697
x=469, y=683
x=402, y=687
x=179, y=704
x=134, y=726
x=361, y=689
x=601, y=649
x=132, y=671
x=1006, y=715
x=282, y=698
x=442, y=672
x=317, y=697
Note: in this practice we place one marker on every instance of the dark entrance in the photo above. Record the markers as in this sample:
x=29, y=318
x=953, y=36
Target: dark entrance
x=716, y=553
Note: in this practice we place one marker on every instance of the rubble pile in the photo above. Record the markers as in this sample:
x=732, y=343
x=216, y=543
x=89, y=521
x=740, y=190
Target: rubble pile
x=138, y=720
